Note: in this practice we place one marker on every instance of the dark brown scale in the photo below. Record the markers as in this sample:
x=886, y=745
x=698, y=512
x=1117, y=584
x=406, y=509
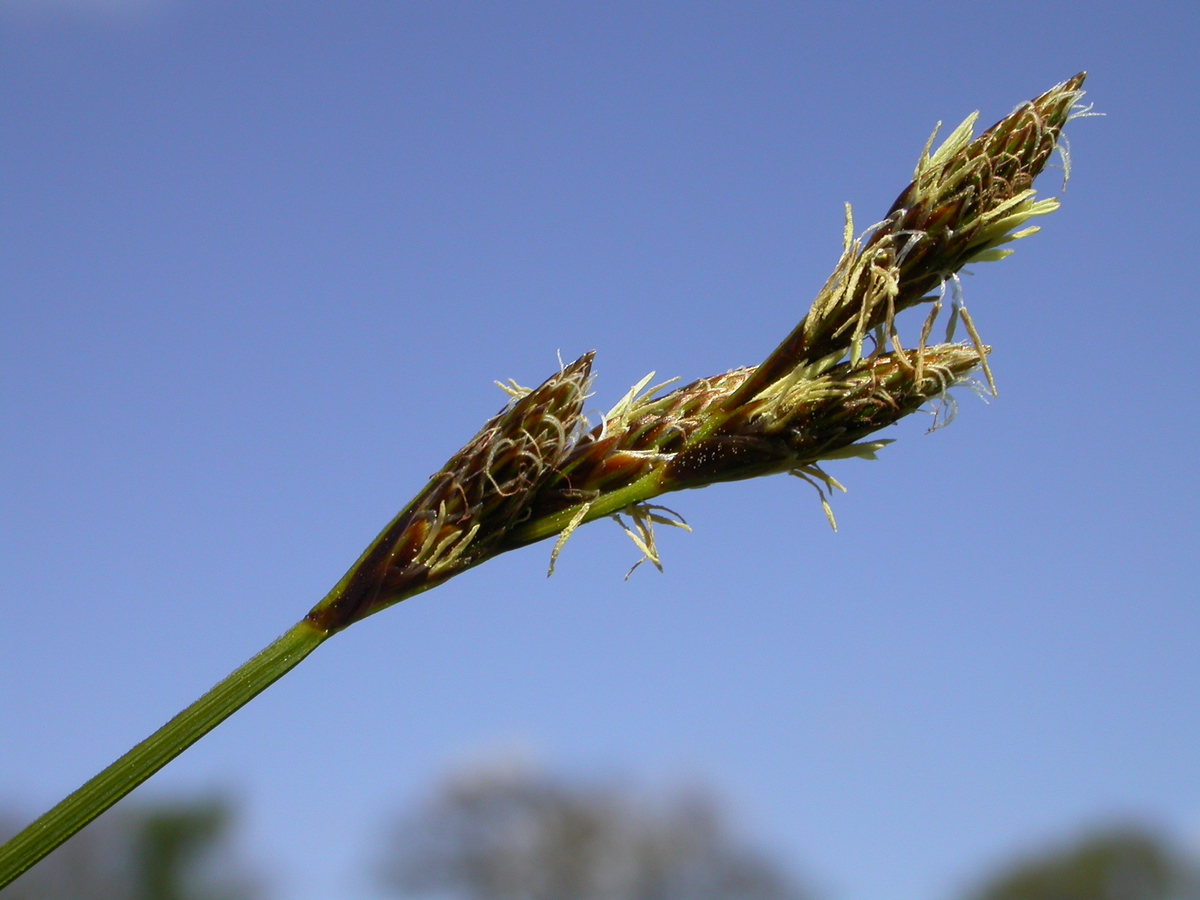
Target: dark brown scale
x=582, y=461
x=620, y=468
x=726, y=458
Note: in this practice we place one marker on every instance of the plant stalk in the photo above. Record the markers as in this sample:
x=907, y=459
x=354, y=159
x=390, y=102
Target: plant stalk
x=48, y=831
x=539, y=468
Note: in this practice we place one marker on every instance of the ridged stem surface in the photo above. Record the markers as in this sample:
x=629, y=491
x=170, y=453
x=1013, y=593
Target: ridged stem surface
x=48, y=831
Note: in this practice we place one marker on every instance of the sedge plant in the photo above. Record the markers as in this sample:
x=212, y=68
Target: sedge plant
x=540, y=469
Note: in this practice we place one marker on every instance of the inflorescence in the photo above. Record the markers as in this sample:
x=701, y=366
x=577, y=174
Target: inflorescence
x=540, y=469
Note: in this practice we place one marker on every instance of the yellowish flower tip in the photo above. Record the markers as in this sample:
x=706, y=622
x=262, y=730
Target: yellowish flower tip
x=514, y=390
x=824, y=483
x=635, y=399
x=643, y=518
x=565, y=534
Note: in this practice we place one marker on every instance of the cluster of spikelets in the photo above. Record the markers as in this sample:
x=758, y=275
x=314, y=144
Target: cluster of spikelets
x=539, y=468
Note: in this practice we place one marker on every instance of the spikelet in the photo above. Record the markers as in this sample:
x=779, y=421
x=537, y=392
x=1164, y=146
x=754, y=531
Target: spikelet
x=482, y=492
x=967, y=199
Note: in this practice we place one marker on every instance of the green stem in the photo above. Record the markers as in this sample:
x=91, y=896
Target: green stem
x=647, y=487
x=114, y=782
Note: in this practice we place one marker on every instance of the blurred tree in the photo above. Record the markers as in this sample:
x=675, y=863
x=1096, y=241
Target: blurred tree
x=171, y=851
x=516, y=835
x=1121, y=864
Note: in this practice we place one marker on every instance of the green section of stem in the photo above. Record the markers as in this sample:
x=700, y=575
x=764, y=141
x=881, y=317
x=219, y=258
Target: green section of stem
x=645, y=488
x=106, y=788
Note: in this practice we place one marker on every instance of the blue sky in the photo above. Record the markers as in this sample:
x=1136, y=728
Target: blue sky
x=263, y=261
